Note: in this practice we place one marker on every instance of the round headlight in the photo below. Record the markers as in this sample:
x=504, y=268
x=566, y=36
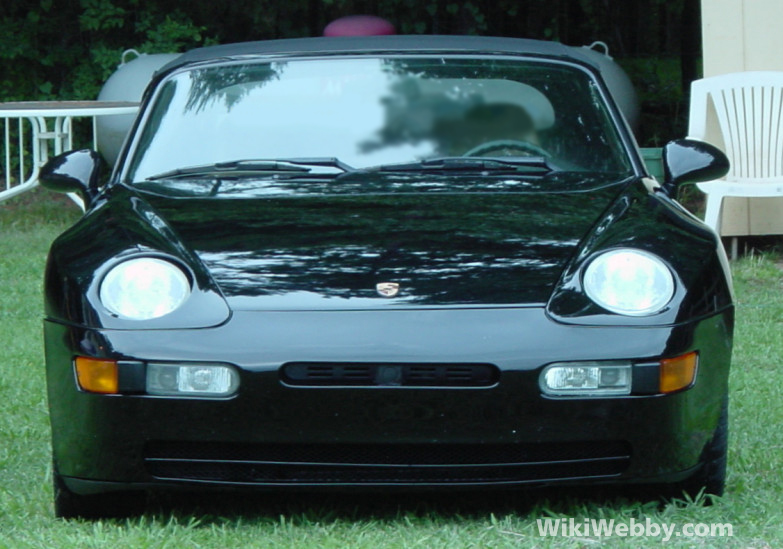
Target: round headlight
x=144, y=288
x=629, y=282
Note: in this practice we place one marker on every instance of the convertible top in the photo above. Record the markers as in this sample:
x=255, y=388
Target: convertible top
x=381, y=44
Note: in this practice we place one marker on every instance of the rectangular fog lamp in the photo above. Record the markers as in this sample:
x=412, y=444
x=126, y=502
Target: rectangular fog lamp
x=203, y=380
x=586, y=379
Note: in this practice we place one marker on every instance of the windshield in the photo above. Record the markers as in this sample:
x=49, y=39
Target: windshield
x=375, y=113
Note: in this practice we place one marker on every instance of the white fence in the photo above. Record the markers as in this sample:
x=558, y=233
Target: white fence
x=32, y=132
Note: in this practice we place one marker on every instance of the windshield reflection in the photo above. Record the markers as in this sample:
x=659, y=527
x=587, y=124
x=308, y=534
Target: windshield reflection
x=370, y=112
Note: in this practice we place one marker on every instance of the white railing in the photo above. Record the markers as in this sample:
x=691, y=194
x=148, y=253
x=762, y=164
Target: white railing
x=32, y=132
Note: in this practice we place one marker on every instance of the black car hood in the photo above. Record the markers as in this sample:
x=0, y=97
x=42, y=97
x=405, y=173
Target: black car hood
x=444, y=246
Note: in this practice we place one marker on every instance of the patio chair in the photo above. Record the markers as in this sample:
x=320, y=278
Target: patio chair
x=749, y=109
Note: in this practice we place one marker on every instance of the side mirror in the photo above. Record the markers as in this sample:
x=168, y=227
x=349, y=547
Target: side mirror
x=691, y=161
x=73, y=172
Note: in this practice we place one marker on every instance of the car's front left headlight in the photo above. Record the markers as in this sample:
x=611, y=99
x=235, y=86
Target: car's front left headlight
x=144, y=288
x=629, y=282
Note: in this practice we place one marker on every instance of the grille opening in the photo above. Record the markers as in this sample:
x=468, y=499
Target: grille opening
x=381, y=464
x=318, y=374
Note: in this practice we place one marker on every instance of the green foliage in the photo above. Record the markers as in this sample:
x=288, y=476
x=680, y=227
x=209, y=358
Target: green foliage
x=101, y=15
x=664, y=109
x=174, y=33
x=66, y=49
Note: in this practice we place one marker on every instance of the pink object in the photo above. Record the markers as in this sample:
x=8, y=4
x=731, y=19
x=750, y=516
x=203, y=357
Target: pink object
x=359, y=25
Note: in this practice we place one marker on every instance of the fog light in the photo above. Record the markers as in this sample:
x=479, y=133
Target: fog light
x=679, y=372
x=97, y=375
x=586, y=379
x=205, y=380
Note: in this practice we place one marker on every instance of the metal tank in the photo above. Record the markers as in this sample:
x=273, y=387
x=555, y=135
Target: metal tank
x=127, y=83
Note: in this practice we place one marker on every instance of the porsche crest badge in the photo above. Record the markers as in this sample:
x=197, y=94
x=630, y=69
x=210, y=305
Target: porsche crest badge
x=387, y=289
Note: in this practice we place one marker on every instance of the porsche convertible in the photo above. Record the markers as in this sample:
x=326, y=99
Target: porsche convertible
x=397, y=262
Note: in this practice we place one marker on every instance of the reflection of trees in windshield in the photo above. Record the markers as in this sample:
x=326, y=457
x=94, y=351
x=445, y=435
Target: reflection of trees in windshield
x=229, y=84
x=455, y=126
x=456, y=105
x=460, y=104
x=370, y=111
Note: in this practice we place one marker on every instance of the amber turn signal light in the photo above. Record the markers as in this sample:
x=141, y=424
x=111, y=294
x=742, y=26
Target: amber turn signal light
x=97, y=375
x=679, y=372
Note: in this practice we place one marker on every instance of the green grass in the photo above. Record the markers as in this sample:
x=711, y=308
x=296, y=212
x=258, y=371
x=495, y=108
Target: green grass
x=752, y=503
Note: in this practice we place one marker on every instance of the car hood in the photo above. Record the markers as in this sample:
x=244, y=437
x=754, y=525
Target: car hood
x=449, y=245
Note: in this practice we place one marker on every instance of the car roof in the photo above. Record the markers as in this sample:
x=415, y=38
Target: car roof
x=411, y=44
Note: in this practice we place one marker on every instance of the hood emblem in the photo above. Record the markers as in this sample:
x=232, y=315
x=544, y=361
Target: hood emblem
x=387, y=289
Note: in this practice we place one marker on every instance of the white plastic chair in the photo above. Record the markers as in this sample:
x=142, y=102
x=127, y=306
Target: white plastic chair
x=749, y=108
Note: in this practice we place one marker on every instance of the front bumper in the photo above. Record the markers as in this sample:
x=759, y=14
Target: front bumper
x=274, y=434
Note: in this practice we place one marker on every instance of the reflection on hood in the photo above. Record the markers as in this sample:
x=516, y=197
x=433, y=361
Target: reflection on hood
x=330, y=250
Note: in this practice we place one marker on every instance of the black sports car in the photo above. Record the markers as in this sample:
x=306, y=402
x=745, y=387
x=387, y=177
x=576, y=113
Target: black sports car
x=383, y=262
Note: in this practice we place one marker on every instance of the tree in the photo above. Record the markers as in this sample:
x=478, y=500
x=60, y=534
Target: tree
x=67, y=48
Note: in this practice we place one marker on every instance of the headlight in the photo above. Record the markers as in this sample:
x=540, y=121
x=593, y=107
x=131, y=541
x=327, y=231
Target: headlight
x=629, y=282
x=144, y=288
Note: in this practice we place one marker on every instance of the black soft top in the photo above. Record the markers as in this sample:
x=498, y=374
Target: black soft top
x=381, y=45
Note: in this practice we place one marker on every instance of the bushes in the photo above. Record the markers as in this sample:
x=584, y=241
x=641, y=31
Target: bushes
x=65, y=49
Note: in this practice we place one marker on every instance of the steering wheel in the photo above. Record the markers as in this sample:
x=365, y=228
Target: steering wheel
x=498, y=144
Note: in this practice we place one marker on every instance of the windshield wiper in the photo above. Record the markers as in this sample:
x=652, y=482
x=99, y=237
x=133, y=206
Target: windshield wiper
x=236, y=168
x=527, y=164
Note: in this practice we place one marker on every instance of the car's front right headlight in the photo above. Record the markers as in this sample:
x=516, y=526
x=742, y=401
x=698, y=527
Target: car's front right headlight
x=144, y=288
x=629, y=282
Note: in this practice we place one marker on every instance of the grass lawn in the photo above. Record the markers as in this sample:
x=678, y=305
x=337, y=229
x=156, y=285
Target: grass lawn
x=752, y=504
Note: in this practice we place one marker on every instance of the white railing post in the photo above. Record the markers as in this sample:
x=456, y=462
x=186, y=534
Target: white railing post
x=7, y=153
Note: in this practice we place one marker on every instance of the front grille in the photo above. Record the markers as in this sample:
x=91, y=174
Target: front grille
x=331, y=374
x=381, y=464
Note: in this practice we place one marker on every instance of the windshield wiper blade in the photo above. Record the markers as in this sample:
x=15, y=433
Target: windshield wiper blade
x=255, y=167
x=527, y=164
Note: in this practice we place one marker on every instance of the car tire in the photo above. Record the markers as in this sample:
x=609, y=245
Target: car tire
x=68, y=505
x=711, y=475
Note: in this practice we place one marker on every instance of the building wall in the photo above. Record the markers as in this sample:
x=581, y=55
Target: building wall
x=744, y=35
